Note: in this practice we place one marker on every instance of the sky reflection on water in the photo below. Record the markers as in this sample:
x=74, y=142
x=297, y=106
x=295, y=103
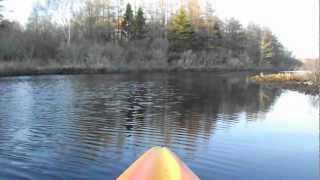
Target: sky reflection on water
x=94, y=126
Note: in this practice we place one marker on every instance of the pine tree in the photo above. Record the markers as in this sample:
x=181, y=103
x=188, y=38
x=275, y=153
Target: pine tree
x=140, y=23
x=271, y=48
x=253, y=42
x=181, y=31
x=128, y=22
x=266, y=48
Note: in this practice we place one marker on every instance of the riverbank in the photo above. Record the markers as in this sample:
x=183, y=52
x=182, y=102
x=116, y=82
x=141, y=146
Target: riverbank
x=304, y=82
x=73, y=70
x=37, y=67
x=297, y=82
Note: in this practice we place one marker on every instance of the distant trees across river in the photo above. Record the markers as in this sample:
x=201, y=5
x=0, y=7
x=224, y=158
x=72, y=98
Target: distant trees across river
x=112, y=35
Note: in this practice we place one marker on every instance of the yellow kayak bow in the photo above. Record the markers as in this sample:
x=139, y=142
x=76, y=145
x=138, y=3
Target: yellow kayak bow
x=158, y=163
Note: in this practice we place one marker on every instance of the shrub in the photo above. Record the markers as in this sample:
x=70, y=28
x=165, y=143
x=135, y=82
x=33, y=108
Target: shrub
x=73, y=52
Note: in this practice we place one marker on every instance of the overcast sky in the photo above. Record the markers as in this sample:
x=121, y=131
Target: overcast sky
x=295, y=22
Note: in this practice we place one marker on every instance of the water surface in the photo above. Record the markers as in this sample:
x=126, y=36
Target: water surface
x=95, y=126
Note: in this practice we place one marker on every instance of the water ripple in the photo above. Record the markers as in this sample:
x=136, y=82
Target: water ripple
x=93, y=127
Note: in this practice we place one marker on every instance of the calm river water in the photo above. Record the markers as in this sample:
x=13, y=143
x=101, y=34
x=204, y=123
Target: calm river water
x=95, y=126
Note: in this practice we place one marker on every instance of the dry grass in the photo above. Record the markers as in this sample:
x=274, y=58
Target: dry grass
x=308, y=83
x=280, y=77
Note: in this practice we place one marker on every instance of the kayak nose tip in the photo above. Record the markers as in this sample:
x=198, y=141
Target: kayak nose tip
x=160, y=163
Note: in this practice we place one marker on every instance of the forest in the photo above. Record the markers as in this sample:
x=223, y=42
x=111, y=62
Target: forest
x=114, y=35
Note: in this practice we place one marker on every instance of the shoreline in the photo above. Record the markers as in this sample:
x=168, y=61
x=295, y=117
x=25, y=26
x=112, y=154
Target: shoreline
x=305, y=87
x=289, y=81
x=88, y=71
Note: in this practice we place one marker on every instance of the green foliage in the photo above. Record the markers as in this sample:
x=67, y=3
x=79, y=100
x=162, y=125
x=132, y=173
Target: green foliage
x=267, y=47
x=140, y=25
x=270, y=48
x=217, y=31
x=181, y=31
x=253, y=41
x=100, y=23
x=128, y=22
x=273, y=52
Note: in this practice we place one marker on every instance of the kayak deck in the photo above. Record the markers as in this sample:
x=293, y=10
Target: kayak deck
x=158, y=163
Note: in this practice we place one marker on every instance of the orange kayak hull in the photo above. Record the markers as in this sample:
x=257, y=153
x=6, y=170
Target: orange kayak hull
x=158, y=163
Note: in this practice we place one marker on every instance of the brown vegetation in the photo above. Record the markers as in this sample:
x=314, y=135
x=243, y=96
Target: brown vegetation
x=98, y=35
x=306, y=82
x=280, y=77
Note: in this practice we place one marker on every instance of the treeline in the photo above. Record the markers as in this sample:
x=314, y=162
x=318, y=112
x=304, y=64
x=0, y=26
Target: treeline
x=109, y=34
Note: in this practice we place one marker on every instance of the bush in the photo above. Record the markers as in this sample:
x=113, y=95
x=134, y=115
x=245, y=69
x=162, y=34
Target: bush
x=73, y=52
x=44, y=45
x=11, y=41
x=91, y=55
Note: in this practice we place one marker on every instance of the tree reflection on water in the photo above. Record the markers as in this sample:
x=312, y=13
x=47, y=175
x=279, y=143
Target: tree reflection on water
x=170, y=107
x=79, y=119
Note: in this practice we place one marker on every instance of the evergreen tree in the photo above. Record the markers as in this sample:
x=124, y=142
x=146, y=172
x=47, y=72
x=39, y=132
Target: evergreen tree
x=140, y=23
x=253, y=43
x=215, y=34
x=181, y=31
x=271, y=49
x=213, y=27
x=128, y=22
x=266, y=47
